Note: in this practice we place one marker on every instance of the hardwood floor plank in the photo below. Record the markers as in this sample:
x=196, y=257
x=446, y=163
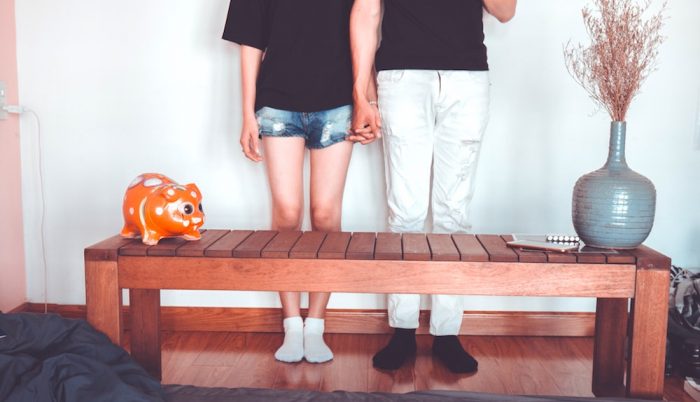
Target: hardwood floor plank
x=348, y=370
x=493, y=358
x=302, y=375
x=223, y=349
x=179, y=351
x=257, y=365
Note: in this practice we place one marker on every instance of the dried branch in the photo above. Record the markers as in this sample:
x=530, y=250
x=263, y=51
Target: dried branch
x=623, y=51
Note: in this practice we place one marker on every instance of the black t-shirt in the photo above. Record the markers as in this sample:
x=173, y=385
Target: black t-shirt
x=307, y=64
x=432, y=35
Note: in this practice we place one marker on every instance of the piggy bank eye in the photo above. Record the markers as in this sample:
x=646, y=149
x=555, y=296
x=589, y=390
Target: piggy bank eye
x=188, y=209
x=201, y=208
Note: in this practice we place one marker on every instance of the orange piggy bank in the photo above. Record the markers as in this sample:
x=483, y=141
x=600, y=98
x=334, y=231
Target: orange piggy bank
x=156, y=207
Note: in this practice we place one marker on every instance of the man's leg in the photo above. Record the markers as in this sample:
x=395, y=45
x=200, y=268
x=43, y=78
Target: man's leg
x=406, y=106
x=462, y=115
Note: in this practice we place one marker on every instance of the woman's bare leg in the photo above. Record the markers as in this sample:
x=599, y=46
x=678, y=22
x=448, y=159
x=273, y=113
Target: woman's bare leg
x=329, y=167
x=284, y=159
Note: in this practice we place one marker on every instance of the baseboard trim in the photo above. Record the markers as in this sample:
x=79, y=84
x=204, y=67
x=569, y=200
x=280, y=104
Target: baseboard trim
x=20, y=309
x=220, y=319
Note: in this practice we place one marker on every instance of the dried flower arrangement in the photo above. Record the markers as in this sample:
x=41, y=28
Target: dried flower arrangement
x=622, y=54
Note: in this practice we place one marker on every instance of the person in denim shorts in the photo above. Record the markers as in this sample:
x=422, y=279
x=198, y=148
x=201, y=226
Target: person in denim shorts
x=297, y=94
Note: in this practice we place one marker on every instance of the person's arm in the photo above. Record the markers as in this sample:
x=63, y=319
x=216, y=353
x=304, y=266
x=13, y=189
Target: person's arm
x=364, y=27
x=373, y=99
x=503, y=10
x=250, y=66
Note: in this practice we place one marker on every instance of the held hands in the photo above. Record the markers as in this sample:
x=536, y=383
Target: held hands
x=250, y=144
x=366, y=123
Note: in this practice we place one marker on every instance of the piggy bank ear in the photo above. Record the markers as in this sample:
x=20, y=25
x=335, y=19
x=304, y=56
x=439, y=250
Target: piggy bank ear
x=193, y=187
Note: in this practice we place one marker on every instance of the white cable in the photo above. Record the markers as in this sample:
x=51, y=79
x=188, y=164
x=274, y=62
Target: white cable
x=43, y=210
x=22, y=110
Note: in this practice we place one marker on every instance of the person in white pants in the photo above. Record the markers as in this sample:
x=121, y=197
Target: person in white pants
x=433, y=99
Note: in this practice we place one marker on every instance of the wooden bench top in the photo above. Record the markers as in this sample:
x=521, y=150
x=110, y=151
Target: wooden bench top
x=350, y=246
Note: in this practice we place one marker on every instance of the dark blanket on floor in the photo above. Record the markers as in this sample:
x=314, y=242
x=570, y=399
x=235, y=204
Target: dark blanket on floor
x=48, y=358
x=180, y=393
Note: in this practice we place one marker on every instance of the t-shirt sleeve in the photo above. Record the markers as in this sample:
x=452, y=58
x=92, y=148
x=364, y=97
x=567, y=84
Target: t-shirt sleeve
x=247, y=23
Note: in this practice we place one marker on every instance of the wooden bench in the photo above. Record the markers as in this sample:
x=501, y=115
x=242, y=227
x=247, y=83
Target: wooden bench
x=392, y=263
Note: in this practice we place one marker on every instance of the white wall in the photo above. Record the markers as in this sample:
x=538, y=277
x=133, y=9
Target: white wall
x=135, y=86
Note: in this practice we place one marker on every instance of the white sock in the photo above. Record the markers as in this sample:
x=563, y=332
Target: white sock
x=292, y=349
x=315, y=349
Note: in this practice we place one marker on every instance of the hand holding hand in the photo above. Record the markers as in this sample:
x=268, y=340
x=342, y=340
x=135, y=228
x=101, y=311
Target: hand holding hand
x=366, y=123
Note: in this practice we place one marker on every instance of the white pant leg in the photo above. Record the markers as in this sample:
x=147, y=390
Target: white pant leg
x=403, y=310
x=462, y=115
x=446, y=314
x=408, y=117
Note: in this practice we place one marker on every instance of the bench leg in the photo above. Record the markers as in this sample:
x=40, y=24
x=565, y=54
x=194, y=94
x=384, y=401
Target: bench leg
x=104, y=298
x=609, y=347
x=145, y=329
x=645, y=375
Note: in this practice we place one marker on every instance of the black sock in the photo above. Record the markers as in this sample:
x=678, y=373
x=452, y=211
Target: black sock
x=401, y=347
x=450, y=352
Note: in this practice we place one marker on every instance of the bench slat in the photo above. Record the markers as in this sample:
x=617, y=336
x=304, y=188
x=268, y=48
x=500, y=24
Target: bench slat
x=442, y=247
x=415, y=247
x=388, y=246
x=196, y=248
x=279, y=246
x=526, y=255
x=108, y=249
x=225, y=245
x=563, y=258
x=252, y=246
x=308, y=245
x=497, y=248
x=622, y=257
x=469, y=248
x=590, y=258
x=134, y=248
x=334, y=246
x=361, y=246
x=166, y=247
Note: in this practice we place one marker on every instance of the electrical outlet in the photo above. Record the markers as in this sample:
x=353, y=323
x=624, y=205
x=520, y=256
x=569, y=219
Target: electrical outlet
x=3, y=102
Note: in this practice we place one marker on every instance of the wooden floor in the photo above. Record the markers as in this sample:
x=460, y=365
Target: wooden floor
x=510, y=365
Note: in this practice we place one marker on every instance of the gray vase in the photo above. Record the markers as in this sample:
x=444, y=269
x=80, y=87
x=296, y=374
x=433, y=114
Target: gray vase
x=614, y=206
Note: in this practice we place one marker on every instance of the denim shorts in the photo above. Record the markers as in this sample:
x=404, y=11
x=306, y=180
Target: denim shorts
x=318, y=129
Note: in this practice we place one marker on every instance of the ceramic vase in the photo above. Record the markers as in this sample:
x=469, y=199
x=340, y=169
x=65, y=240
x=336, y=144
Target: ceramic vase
x=613, y=207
